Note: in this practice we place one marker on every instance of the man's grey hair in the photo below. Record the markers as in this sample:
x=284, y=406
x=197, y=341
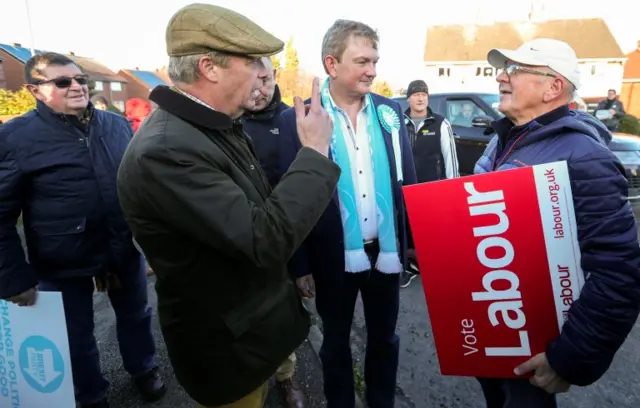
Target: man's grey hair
x=336, y=39
x=186, y=69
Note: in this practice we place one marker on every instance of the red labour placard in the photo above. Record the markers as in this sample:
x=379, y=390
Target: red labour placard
x=500, y=264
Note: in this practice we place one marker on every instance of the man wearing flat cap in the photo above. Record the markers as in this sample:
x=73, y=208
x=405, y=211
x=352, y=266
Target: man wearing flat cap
x=536, y=83
x=216, y=234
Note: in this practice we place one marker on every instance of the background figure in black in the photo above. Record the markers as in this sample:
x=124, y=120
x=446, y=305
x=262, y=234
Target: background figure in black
x=615, y=108
x=433, y=146
x=261, y=124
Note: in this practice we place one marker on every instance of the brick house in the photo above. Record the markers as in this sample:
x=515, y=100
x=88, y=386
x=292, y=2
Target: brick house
x=141, y=83
x=630, y=95
x=108, y=84
x=3, y=82
x=455, y=56
x=163, y=74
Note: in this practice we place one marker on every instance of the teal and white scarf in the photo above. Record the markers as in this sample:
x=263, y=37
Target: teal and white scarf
x=356, y=260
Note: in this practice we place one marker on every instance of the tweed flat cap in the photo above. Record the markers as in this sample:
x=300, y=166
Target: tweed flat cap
x=201, y=28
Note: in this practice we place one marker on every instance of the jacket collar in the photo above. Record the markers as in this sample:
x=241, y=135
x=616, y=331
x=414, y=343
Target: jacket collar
x=268, y=112
x=189, y=110
x=506, y=129
x=49, y=113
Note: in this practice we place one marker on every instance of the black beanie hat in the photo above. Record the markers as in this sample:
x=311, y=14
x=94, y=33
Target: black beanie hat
x=417, y=86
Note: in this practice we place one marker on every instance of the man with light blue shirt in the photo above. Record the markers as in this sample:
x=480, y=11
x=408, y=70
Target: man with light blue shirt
x=360, y=243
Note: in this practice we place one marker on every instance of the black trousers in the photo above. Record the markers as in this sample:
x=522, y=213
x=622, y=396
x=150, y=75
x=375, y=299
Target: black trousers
x=336, y=294
x=515, y=393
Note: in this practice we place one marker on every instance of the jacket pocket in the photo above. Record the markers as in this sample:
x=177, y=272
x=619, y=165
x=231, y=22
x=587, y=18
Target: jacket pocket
x=64, y=227
x=58, y=243
x=242, y=318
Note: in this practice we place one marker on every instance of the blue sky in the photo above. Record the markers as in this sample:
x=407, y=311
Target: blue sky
x=130, y=33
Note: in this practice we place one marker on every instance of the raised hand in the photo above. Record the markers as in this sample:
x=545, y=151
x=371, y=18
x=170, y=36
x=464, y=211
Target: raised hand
x=316, y=127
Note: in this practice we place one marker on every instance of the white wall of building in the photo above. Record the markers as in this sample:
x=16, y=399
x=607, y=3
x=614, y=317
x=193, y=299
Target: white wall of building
x=597, y=76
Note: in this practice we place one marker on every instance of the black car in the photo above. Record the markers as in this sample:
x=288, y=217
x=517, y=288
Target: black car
x=471, y=114
x=627, y=148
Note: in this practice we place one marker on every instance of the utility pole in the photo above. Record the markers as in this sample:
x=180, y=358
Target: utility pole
x=33, y=47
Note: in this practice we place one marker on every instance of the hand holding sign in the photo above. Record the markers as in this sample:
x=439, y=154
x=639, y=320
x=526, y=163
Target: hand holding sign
x=543, y=375
x=500, y=266
x=26, y=298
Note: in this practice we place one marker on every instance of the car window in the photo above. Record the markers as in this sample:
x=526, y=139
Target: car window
x=628, y=157
x=461, y=112
x=492, y=100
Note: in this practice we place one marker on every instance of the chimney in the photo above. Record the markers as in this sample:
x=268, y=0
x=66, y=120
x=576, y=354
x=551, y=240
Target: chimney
x=17, y=45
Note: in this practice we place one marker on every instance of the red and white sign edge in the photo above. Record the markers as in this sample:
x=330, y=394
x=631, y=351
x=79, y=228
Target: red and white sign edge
x=555, y=201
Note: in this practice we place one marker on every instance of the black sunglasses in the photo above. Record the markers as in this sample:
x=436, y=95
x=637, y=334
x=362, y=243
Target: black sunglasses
x=65, y=82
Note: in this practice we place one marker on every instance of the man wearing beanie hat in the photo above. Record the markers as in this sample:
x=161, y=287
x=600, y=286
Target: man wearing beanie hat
x=433, y=146
x=536, y=84
x=431, y=137
x=216, y=234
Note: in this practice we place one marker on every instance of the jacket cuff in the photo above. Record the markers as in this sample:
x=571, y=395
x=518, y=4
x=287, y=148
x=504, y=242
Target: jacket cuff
x=17, y=286
x=569, y=366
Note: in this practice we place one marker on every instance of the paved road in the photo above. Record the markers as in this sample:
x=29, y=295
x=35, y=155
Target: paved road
x=122, y=394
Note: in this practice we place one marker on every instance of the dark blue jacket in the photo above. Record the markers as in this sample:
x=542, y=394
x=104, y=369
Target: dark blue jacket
x=323, y=250
x=61, y=174
x=599, y=322
x=264, y=131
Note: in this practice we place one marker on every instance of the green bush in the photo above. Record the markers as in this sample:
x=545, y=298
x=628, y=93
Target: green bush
x=629, y=124
x=16, y=103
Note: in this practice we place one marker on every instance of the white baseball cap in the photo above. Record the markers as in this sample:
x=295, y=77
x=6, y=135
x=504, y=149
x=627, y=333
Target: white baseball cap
x=541, y=52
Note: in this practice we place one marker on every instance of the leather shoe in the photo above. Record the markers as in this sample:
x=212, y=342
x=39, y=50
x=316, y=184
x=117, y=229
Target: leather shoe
x=150, y=386
x=291, y=393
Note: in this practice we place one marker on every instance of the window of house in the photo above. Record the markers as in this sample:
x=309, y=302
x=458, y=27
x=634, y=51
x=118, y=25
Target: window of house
x=119, y=105
x=99, y=86
x=461, y=112
x=116, y=87
x=444, y=72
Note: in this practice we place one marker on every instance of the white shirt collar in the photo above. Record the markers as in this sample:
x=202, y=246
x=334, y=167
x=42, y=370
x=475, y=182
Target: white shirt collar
x=193, y=98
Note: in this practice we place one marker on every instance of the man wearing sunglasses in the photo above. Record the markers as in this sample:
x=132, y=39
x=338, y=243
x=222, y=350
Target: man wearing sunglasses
x=58, y=167
x=537, y=82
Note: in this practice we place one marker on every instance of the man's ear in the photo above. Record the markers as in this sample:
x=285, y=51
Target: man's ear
x=557, y=88
x=330, y=63
x=35, y=92
x=209, y=70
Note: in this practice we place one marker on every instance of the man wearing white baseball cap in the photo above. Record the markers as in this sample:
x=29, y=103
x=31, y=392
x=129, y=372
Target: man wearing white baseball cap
x=536, y=83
